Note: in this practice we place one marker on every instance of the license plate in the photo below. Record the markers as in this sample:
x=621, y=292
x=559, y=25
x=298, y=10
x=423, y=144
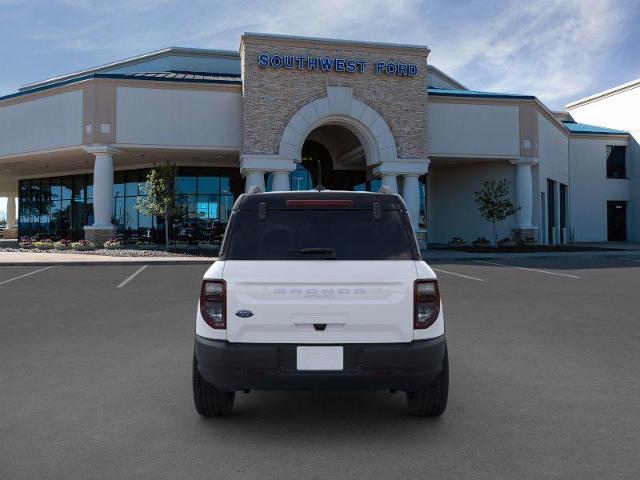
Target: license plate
x=320, y=358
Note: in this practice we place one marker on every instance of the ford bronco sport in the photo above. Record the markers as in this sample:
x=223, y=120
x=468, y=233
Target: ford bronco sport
x=320, y=290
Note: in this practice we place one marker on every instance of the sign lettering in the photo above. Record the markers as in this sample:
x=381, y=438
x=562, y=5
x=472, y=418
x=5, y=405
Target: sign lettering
x=332, y=64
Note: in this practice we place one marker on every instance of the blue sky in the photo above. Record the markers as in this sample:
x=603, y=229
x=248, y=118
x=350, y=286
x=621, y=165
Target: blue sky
x=557, y=50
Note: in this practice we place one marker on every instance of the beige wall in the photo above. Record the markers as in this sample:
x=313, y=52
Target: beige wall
x=272, y=96
x=473, y=129
x=172, y=117
x=453, y=211
x=45, y=123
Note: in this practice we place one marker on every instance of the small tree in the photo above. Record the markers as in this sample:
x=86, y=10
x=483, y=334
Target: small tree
x=494, y=203
x=160, y=200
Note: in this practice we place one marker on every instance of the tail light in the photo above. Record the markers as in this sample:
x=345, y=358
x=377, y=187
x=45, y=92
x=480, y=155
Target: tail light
x=426, y=303
x=213, y=303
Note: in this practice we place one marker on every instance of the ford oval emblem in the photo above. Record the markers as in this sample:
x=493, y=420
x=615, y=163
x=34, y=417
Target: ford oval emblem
x=244, y=313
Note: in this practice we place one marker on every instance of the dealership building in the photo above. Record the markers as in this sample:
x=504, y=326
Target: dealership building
x=282, y=112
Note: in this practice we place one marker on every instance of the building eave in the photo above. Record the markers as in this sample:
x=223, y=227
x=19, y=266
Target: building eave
x=116, y=76
x=606, y=93
x=448, y=78
x=132, y=61
x=319, y=41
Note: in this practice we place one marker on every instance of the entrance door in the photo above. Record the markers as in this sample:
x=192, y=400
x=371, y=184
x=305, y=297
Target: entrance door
x=551, y=211
x=617, y=221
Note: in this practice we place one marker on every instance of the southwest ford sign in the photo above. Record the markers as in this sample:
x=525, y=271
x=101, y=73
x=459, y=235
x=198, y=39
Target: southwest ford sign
x=333, y=64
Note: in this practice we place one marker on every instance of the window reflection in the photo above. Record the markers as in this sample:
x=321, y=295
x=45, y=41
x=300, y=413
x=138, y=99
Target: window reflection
x=60, y=207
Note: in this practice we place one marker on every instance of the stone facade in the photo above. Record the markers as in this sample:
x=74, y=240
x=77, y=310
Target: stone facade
x=524, y=234
x=272, y=96
x=99, y=236
x=9, y=233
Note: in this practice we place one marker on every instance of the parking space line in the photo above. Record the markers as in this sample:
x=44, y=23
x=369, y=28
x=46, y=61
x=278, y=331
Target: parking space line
x=25, y=275
x=132, y=276
x=529, y=269
x=458, y=275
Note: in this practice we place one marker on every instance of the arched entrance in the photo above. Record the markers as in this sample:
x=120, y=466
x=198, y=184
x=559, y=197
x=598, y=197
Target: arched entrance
x=334, y=156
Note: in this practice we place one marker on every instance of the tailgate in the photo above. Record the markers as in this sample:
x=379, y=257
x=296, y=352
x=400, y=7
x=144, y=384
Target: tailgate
x=320, y=301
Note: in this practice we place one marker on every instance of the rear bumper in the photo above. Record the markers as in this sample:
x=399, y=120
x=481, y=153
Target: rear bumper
x=255, y=366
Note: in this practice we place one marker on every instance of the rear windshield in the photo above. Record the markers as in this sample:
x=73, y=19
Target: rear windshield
x=314, y=234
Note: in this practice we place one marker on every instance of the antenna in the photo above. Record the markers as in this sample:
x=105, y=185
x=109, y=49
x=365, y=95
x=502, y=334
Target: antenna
x=319, y=186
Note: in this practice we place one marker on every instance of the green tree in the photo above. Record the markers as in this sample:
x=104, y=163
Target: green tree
x=494, y=203
x=160, y=199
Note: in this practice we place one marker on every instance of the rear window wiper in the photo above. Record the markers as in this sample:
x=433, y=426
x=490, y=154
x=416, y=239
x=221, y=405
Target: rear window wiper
x=330, y=252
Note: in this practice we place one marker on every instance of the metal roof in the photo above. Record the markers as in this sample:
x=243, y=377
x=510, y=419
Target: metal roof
x=444, y=92
x=187, y=77
x=177, y=75
x=585, y=128
x=135, y=60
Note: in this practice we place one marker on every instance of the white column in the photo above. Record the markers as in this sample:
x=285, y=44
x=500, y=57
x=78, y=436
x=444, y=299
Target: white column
x=411, y=196
x=280, y=182
x=390, y=180
x=254, y=178
x=524, y=194
x=11, y=212
x=103, y=190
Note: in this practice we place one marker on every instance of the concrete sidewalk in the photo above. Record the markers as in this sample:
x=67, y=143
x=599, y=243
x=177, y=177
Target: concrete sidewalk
x=451, y=255
x=37, y=259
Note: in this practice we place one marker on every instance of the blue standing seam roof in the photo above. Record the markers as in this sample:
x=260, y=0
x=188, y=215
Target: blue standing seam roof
x=445, y=92
x=575, y=127
x=226, y=78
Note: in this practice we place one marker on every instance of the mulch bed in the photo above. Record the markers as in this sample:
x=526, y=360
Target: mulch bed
x=531, y=249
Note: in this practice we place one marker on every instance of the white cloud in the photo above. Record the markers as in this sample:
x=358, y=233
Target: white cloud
x=546, y=48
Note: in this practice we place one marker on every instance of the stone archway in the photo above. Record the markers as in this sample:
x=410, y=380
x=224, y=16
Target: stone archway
x=339, y=107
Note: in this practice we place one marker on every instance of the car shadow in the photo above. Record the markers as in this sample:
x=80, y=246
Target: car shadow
x=338, y=416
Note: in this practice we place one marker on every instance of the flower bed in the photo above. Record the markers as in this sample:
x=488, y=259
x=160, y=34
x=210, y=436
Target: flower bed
x=113, y=245
x=83, y=245
x=62, y=245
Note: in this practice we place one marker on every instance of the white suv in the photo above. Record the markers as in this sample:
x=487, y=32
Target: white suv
x=320, y=290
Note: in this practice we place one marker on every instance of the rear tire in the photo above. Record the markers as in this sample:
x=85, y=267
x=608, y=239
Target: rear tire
x=209, y=401
x=432, y=401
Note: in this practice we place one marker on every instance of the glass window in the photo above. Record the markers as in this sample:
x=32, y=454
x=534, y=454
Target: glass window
x=226, y=205
x=186, y=184
x=118, y=184
x=78, y=220
x=55, y=214
x=79, y=188
x=145, y=221
x=208, y=185
x=131, y=214
x=65, y=218
x=208, y=206
x=55, y=186
x=351, y=234
x=616, y=165
x=225, y=185
x=67, y=189
x=89, y=186
x=131, y=185
x=301, y=178
x=422, y=219
x=90, y=217
x=62, y=206
x=119, y=213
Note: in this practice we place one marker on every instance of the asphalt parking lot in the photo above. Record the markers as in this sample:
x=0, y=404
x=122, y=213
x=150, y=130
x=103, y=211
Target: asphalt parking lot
x=95, y=382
